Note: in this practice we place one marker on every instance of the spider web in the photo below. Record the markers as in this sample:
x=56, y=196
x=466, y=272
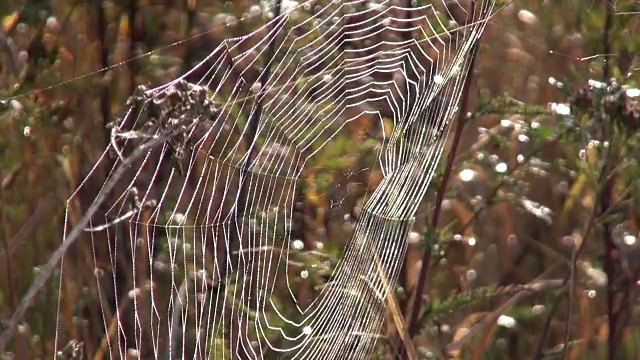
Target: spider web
x=208, y=174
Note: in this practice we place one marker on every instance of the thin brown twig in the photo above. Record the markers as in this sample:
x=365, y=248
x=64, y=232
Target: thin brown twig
x=105, y=96
x=47, y=269
x=606, y=38
x=132, y=13
x=426, y=258
x=111, y=329
x=396, y=313
x=575, y=256
x=572, y=280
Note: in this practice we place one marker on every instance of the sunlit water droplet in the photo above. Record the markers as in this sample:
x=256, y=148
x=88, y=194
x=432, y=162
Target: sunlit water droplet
x=527, y=17
x=304, y=274
x=560, y=108
x=414, y=237
x=255, y=88
x=471, y=241
x=133, y=353
x=556, y=83
x=467, y=175
x=629, y=239
x=288, y=6
x=632, y=93
x=582, y=154
x=538, y=309
x=298, y=244
x=471, y=275
x=255, y=10
x=501, y=167
x=506, y=321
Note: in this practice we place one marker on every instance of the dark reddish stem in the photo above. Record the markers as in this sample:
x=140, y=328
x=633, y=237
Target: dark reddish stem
x=105, y=108
x=426, y=258
x=132, y=12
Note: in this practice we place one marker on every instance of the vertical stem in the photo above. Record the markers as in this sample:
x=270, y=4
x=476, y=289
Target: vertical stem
x=611, y=267
x=251, y=143
x=47, y=269
x=572, y=280
x=426, y=258
x=618, y=286
x=132, y=14
x=104, y=63
x=542, y=340
x=606, y=41
x=252, y=125
x=189, y=52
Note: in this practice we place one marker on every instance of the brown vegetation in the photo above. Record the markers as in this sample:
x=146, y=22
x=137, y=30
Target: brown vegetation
x=525, y=246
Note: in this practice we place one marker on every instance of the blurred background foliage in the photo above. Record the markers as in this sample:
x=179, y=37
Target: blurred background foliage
x=530, y=233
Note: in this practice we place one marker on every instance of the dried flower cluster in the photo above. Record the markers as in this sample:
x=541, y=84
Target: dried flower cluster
x=617, y=102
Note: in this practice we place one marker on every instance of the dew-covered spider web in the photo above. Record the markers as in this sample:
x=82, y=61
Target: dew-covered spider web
x=208, y=180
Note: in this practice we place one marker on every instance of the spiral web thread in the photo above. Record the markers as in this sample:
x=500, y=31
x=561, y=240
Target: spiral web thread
x=207, y=213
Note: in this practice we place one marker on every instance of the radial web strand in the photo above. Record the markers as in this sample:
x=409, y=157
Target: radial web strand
x=199, y=244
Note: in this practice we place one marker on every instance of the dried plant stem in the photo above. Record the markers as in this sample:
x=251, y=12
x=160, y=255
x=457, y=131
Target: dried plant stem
x=542, y=340
x=105, y=343
x=572, y=286
x=396, y=313
x=190, y=10
x=132, y=13
x=78, y=229
x=252, y=124
x=416, y=307
x=617, y=292
x=603, y=177
x=619, y=284
x=569, y=277
x=606, y=41
x=105, y=96
x=250, y=139
x=178, y=309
